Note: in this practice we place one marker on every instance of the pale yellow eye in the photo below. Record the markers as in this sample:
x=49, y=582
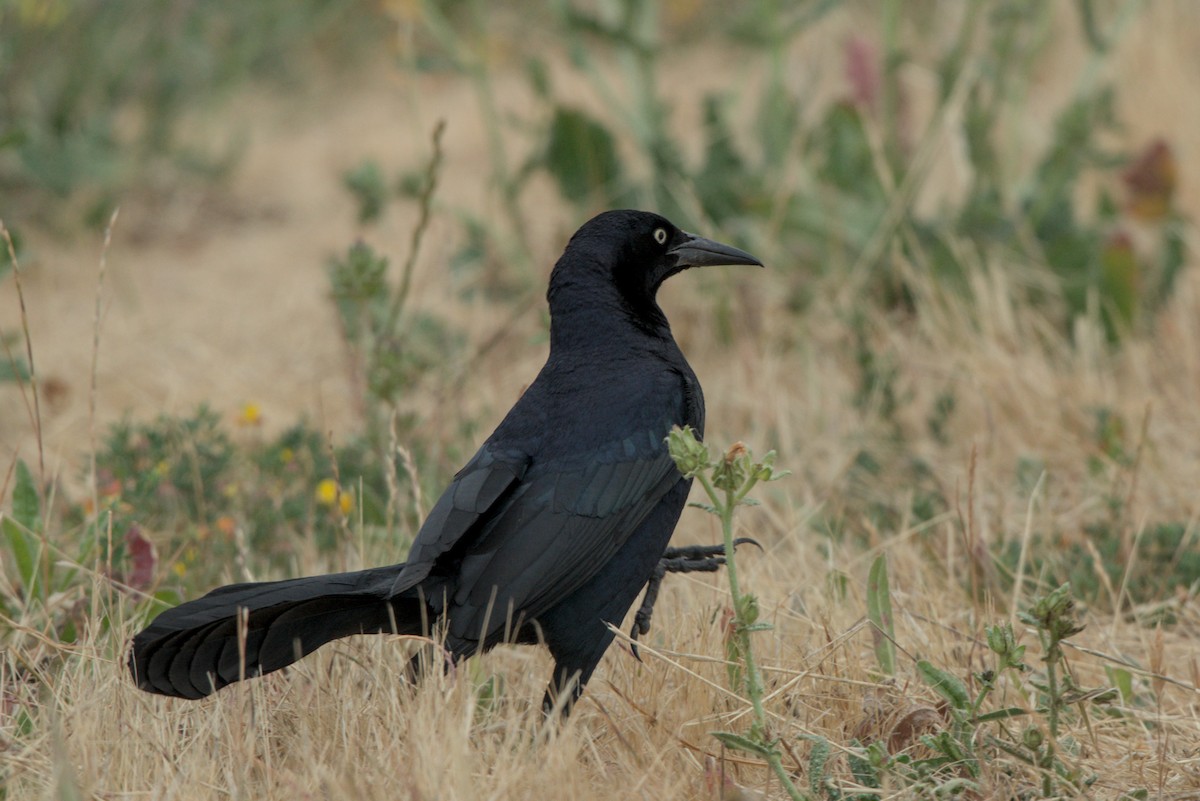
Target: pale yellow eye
x=660, y=236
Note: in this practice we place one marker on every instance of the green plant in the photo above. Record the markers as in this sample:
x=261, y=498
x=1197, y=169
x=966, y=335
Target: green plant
x=22, y=531
x=369, y=188
x=46, y=577
x=971, y=734
x=832, y=191
x=879, y=612
x=391, y=346
x=95, y=97
x=12, y=366
x=727, y=481
x=208, y=497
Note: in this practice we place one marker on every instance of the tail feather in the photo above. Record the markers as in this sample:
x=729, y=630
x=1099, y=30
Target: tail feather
x=246, y=630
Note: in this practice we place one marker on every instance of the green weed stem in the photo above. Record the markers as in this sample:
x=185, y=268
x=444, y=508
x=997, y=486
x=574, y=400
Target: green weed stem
x=727, y=482
x=725, y=503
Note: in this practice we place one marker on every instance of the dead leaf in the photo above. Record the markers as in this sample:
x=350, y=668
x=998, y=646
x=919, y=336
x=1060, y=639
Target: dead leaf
x=143, y=558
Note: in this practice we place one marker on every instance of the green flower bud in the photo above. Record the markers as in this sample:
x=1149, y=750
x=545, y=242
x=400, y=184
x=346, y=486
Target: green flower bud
x=691, y=456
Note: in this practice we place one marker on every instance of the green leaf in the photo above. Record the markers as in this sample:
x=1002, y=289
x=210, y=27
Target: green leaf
x=860, y=765
x=1119, y=281
x=837, y=584
x=1099, y=695
x=25, y=498
x=879, y=611
x=369, y=187
x=727, y=186
x=488, y=694
x=539, y=77
x=816, y=764
x=158, y=603
x=1123, y=680
x=1173, y=259
x=731, y=471
x=582, y=157
x=746, y=608
x=1003, y=714
x=945, y=743
x=778, y=121
x=14, y=370
x=24, y=547
x=945, y=684
x=843, y=156
x=20, y=529
x=740, y=742
x=771, y=474
x=24, y=723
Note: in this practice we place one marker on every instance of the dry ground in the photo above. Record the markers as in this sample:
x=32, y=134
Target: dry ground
x=221, y=296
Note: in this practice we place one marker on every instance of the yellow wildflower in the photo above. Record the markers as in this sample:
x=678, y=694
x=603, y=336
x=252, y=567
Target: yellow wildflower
x=251, y=415
x=330, y=494
x=327, y=492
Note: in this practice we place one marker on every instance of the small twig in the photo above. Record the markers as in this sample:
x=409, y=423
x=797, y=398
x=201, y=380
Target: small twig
x=389, y=471
x=97, y=315
x=1022, y=557
x=36, y=411
x=343, y=525
x=414, y=480
x=425, y=204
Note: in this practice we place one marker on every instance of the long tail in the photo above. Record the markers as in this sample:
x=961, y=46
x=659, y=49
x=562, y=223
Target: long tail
x=246, y=630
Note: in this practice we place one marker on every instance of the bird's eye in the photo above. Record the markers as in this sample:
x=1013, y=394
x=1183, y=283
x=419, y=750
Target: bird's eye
x=660, y=236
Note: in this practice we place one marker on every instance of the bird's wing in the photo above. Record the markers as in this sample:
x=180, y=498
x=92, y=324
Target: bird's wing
x=477, y=492
x=562, y=524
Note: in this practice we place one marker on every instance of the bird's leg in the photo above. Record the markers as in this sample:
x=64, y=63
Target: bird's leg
x=566, y=685
x=683, y=559
x=641, y=620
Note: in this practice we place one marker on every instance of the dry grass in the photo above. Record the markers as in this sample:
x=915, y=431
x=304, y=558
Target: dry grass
x=341, y=725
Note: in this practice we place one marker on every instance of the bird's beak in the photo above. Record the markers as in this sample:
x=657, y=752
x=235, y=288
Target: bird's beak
x=696, y=251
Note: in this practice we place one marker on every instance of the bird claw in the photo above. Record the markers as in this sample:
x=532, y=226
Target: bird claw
x=681, y=559
x=678, y=559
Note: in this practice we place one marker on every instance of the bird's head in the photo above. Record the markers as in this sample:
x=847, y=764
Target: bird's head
x=634, y=252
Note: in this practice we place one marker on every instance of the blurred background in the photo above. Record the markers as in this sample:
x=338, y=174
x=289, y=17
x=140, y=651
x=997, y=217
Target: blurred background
x=325, y=281
x=336, y=221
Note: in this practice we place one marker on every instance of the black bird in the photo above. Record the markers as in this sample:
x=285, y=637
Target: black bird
x=546, y=535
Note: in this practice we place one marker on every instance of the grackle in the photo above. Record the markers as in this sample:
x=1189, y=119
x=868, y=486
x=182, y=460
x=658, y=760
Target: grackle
x=547, y=534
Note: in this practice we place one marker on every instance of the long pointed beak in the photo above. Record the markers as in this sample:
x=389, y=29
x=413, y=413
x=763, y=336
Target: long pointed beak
x=696, y=251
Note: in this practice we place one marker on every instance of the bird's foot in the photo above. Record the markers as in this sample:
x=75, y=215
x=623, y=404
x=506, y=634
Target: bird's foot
x=683, y=559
